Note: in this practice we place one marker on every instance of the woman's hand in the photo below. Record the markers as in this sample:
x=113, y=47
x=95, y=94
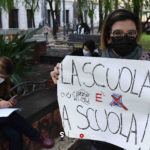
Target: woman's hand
x=13, y=100
x=5, y=104
x=54, y=74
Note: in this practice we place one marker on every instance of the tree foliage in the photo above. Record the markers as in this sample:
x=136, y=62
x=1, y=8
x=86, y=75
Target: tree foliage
x=137, y=6
x=6, y=4
x=82, y=7
x=18, y=51
x=91, y=9
x=55, y=13
x=33, y=5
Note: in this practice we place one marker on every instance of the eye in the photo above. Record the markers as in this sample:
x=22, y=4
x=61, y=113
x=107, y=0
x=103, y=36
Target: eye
x=117, y=33
x=132, y=33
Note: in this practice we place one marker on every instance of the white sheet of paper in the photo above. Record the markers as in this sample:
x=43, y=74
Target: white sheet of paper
x=106, y=100
x=5, y=112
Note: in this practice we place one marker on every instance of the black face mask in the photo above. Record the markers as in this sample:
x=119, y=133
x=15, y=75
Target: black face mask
x=123, y=46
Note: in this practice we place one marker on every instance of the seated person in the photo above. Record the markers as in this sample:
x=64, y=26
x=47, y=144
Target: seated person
x=14, y=126
x=88, y=49
x=86, y=28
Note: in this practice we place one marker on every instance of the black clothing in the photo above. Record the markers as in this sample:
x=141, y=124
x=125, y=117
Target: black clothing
x=13, y=127
x=79, y=52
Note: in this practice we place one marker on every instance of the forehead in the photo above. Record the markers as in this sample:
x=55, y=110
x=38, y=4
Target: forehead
x=124, y=25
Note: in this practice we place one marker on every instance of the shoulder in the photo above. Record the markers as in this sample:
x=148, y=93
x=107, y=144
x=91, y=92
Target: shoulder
x=77, y=52
x=145, y=56
x=96, y=53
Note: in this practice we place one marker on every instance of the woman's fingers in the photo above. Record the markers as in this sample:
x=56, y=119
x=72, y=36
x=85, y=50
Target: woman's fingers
x=13, y=100
x=54, y=74
x=5, y=104
x=54, y=77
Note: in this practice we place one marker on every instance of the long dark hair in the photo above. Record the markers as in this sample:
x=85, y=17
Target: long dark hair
x=90, y=45
x=6, y=68
x=118, y=15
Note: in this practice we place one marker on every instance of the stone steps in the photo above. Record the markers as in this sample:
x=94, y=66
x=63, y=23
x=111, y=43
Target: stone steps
x=55, y=54
x=66, y=144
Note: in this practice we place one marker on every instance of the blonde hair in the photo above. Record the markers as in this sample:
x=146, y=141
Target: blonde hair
x=6, y=68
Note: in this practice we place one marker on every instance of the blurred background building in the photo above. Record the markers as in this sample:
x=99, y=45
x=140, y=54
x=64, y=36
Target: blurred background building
x=21, y=16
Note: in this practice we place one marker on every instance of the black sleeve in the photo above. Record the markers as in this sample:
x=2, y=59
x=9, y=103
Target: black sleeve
x=95, y=55
x=77, y=52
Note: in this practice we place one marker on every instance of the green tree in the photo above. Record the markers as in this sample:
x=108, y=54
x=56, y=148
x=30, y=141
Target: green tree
x=127, y=4
x=137, y=7
x=107, y=7
x=55, y=13
x=134, y=5
x=82, y=7
x=91, y=8
x=116, y=4
x=6, y=4
x=18, y=50
x=33, y=5
x=86, y=6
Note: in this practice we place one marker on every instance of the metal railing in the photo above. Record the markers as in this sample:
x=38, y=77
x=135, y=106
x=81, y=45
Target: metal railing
x=28, y=87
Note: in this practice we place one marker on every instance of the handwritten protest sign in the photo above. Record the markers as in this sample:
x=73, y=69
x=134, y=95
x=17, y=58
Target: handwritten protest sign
x=106, y=100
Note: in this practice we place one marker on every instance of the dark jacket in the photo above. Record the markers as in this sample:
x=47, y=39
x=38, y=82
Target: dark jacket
x=79, y=52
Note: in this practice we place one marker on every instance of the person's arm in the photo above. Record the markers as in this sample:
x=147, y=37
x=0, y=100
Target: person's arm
x=55, y=73
x=13, y=100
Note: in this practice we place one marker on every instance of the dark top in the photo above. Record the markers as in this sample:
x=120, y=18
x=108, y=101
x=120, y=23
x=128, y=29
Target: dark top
x=79, y=52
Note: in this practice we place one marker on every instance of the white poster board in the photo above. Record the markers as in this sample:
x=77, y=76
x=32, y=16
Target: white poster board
x=5, y=112
x=106, y=100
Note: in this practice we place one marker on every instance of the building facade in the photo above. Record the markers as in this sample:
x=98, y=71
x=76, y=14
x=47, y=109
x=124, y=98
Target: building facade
x=20, y=17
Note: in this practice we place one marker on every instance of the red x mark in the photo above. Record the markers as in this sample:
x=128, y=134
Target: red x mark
x=117, y=101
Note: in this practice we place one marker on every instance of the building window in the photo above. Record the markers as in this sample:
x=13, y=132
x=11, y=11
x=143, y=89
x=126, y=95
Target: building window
x=13, y=18
x=30, y=18
x=49, y=17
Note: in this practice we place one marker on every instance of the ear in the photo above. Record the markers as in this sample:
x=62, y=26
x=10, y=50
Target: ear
x=109, y=41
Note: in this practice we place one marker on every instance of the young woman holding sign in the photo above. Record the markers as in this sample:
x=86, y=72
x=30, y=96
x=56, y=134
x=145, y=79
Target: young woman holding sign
x=120, y=33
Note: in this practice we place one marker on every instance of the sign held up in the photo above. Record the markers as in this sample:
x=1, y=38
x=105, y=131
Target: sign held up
x=106, y=100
